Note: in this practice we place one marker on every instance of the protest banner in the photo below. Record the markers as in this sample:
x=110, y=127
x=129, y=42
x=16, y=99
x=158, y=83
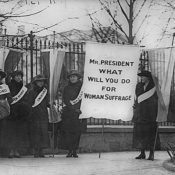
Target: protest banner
x=109, y=82
x=53, y=61
x=10, y=58
x=162, y=62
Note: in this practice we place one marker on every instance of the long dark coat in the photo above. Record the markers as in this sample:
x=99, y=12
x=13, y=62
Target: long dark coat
x=39, y=120
x=70, y=129
x=144, y=119
x=15, y=127
x=3, y=150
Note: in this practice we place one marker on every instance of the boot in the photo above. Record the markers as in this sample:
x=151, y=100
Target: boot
x=151, y=155
x=41, y=154
x=16, y=154
x=75, y=155
x=36, y=152
x=142, y=155
x=69, y=154
x=11, y=155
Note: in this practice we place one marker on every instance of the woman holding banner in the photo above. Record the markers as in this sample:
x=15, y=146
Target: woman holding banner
x=38, y=98
x=145, y=114
x=70, y=129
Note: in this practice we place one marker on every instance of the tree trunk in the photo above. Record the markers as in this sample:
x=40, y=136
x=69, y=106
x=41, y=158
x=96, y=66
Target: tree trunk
x=130, y=22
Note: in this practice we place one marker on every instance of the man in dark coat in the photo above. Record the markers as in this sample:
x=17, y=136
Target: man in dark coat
x=145, y=114
x=15, y=133
x=71, y=130
x=38, y=99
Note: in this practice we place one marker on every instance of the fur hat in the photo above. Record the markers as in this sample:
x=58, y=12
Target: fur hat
x=2, y=74
x=145, y=73
x=39, y=78
x=74, y=72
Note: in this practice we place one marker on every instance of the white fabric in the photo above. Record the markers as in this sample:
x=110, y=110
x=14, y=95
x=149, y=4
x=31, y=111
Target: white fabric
x=146, y=95
x=73, y=102
x=40, y=97
x=4, y=89
x=20, y=94
x=3, y=55
x=56, y=57
x=162, y=65
x=105, y=95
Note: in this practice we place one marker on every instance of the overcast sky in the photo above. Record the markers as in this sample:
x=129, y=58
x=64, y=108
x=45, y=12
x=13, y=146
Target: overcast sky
x=68, y=13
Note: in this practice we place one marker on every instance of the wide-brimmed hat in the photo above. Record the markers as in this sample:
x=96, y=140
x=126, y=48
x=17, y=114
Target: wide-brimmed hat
x=17, y=72
x=39, y=77
x=74, y=72
x=2, y=73
x=145, y=73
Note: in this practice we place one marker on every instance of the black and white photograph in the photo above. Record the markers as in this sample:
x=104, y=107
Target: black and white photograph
x=87, y=87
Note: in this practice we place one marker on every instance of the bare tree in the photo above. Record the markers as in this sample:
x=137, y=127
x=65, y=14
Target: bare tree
x=126, y=17
x=168, y=17
x=12, y=12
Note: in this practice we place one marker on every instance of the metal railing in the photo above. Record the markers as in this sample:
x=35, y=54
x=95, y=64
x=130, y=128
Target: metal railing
x=31, y=65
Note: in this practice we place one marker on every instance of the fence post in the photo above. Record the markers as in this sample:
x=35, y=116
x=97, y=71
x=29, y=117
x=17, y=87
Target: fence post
x=31, y=36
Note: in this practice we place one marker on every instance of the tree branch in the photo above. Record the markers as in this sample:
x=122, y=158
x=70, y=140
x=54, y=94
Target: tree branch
x=5, y=1
x=114, y=20
x=140, y=9
x=123, y=10
x=166, y=26
x=146, y=16
x=127, y=2
x=13, y=16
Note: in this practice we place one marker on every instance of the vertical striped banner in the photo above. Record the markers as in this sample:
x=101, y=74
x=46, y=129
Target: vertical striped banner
x=162, y=64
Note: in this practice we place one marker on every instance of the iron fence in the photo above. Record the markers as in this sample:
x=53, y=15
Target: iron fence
x=31, y=65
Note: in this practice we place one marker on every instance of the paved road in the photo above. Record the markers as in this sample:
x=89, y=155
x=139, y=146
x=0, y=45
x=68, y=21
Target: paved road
x=117, y=163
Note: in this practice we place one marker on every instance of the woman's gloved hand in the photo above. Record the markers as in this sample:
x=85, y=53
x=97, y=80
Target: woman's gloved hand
x=78, y=111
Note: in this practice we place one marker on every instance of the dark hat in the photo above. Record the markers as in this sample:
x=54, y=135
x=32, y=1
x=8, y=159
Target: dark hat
x=39, y=78
x=74, y=72
x=145, y=73
x=2, y=73
x=17, y=72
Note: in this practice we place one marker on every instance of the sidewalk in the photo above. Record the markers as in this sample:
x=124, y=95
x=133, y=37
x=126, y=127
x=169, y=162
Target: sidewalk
x=116, y=163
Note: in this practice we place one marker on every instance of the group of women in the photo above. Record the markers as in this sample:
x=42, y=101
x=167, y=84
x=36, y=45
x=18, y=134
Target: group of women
x=27, y=124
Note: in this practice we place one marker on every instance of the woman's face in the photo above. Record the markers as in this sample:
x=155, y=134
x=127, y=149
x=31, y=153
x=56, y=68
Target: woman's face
x=73, y=78
x=18, y=78
x=145, y=79
x=40, y=83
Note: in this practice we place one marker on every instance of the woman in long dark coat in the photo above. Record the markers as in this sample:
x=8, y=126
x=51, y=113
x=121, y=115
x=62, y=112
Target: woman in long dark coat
x=71, y=130
x=145, y=115
x=15, y=133
x=38, y=97
x=4, y=108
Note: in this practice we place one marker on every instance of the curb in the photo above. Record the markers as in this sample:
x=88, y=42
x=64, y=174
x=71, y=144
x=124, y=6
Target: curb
x=169, y=165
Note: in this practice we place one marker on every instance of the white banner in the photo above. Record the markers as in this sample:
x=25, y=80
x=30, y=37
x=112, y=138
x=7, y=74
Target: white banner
x=54, y=58
x=110, y=78
x=10, y=59
x=3, y=55
x=162, y=65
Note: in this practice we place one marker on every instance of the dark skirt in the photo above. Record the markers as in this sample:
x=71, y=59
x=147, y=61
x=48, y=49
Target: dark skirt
x=69, y=141
x=14, y=131
x=144, y=136
x=70, y=131
x=39, y=137
x=14, y=134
